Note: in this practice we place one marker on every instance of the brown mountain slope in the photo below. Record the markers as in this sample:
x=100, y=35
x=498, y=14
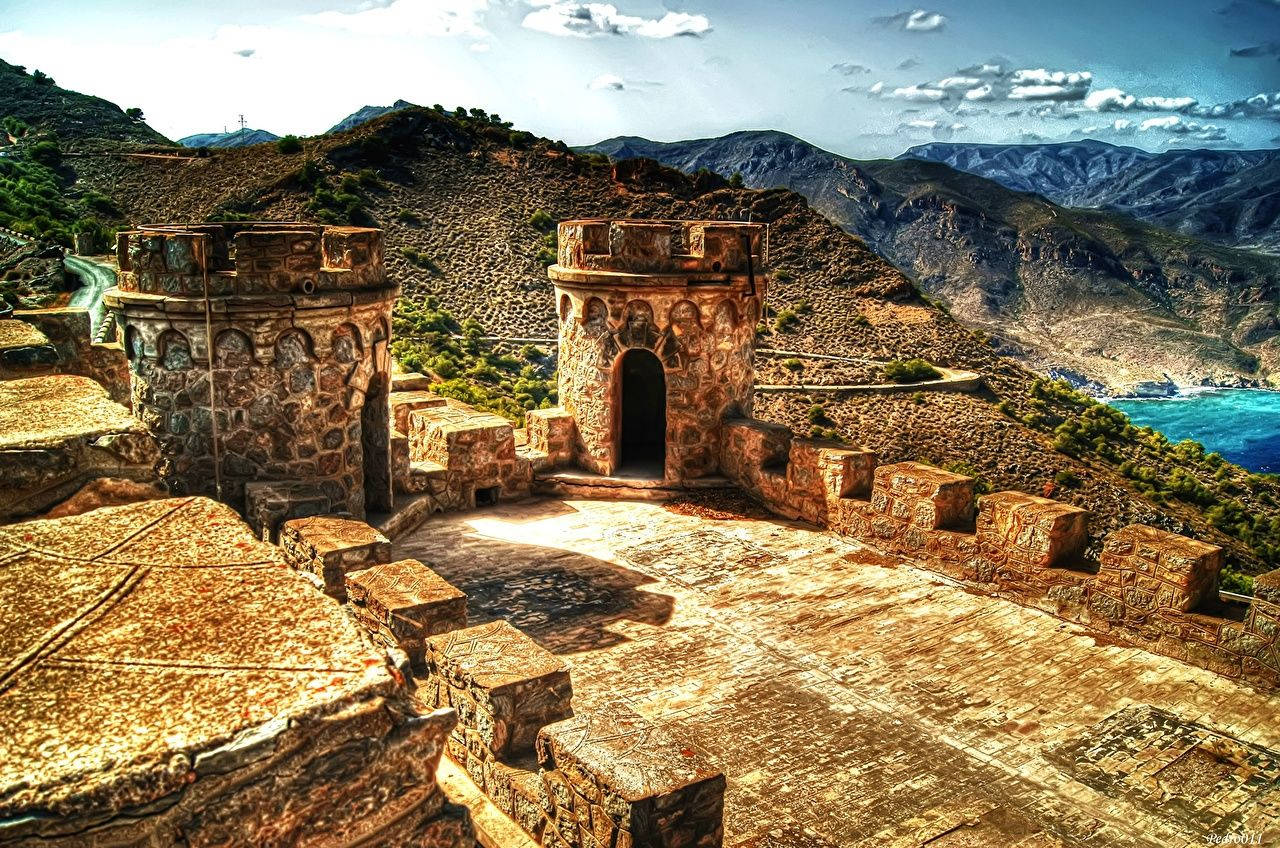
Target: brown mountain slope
x=460, y=196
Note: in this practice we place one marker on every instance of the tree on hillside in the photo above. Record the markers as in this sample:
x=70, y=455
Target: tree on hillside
x=134, y=112
x=42, y=78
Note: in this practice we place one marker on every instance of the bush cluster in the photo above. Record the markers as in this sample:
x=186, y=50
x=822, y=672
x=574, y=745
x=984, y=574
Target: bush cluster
x=910, y=371
x=429, y=339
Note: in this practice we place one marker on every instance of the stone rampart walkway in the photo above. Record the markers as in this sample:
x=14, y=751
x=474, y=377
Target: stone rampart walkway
x=855, y=700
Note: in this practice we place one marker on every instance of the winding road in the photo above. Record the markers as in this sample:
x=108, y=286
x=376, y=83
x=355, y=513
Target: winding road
x=95, y=279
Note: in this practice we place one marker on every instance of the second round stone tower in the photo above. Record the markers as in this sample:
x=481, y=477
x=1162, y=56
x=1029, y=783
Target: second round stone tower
x=657, y=334
x=259, y=358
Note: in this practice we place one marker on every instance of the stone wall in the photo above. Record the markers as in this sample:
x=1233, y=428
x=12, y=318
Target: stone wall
x=299, y=364
x=1152, y=588
x=686, y=293
x=67, y=333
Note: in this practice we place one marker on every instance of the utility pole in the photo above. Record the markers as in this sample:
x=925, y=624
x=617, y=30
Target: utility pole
x=242, y=123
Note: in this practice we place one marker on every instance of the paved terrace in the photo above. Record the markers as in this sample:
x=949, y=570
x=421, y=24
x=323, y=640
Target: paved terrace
x=853, y=699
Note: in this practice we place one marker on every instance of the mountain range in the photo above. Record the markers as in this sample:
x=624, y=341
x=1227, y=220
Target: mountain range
x=1227, y=196
x=1106, y=300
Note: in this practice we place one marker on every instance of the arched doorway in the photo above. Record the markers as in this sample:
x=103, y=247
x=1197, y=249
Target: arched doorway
x=642, y=430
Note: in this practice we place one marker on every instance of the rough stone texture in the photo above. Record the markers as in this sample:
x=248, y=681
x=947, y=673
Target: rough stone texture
x=1031, y=533
x=854, y=698
x=269, y=505
x=615, y=778
x=330, y=547
x=69, y=332
x=552, y=432
x=922, y=495
x=148, y=695
x=404, y=602
x=503, y=685
x=475, y=450
x=404, y=402
x=105, y=491
x=1155, y=589
x=23, y=346
x=1156, y=568
x=300, y=323
x=679, y=290
x=57, y=433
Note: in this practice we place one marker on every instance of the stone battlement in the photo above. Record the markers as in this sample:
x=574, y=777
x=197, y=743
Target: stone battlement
x=642, y=252
x=1152, y=587
x=249, y=258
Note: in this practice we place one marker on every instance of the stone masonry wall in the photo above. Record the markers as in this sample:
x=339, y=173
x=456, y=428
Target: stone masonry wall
x=705, y=341
x=299, y=326
x=1155, y=589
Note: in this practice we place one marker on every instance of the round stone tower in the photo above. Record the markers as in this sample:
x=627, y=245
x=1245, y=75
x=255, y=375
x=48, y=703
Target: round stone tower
x=657, y=332
x=258, y=352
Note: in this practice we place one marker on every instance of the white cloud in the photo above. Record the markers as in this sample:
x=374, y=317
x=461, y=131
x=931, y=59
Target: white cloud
x=480, y=47
x=1261, y=105
x=410, y=17
x=916, y=94
x=916, y=20
x=939, y=129
x=1042, y=84
x=953, y=83
x=848, y=69
x=607, y=82
x=245, y=53
x=568, y=18
x=877, y=89
x=982, y=92
x=1179, y=126
x=1117, y=100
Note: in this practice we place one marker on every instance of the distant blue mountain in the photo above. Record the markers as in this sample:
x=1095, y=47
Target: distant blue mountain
x=1231, y=196
x=368, y=113
x=239, y=138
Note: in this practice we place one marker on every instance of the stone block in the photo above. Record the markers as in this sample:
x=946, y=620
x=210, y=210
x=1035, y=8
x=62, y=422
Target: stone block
x=614, y=778
x=748, y=446
x=404, y=402
x=504, y=686
x=925, y=496
x=270, y=504
x=1264, y=611
x=404, y=602
x=553, y=432
x=330, y=547
x=410, y=381
x=1030, y=533
x=847, y=472
x=1180, y=573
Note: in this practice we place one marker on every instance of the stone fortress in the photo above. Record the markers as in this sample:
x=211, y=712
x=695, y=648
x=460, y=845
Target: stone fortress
x=255, y=358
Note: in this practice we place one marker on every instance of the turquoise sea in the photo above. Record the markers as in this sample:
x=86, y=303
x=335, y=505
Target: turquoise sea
x=1241, y=424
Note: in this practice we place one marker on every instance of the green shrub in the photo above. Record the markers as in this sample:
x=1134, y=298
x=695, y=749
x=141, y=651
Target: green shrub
x=541, y=221
x=1067, y=479
x=782, y=275
x=793, y=364
x=406, y=216
x=289, y=144
x=818, y=414
x=910, y=371
x=786, y=321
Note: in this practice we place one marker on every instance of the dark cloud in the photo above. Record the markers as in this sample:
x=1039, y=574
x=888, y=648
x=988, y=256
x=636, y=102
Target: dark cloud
x=849, y=69
x=1261, y=105
x=246, y=53
x=993, y=81
x=1270, y=48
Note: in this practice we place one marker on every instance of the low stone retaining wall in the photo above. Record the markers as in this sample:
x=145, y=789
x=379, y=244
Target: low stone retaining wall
x=1152, y=588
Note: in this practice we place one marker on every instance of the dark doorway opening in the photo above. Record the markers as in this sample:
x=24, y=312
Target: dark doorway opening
x=642, y=441
x=375, y=443
x=488, y=496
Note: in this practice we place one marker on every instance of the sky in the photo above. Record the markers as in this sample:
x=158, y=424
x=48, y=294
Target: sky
x=864, y=78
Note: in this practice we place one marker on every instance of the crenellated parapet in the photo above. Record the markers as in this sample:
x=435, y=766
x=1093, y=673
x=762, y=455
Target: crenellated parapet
x=646, y=251
x=1151, y=587
x=249, y=258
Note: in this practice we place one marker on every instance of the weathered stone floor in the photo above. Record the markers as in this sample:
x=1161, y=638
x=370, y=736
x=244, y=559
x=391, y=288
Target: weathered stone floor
x=853, y=699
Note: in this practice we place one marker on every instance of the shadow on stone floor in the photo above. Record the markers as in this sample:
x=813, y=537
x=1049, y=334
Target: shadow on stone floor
x=563, y=600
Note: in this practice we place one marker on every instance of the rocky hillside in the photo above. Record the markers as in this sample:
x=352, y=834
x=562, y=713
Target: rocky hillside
x=1228, y=196
x=1100, y=298
x=36, y=100
x=367, y=113
x=458, y=199
x=239, y=138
